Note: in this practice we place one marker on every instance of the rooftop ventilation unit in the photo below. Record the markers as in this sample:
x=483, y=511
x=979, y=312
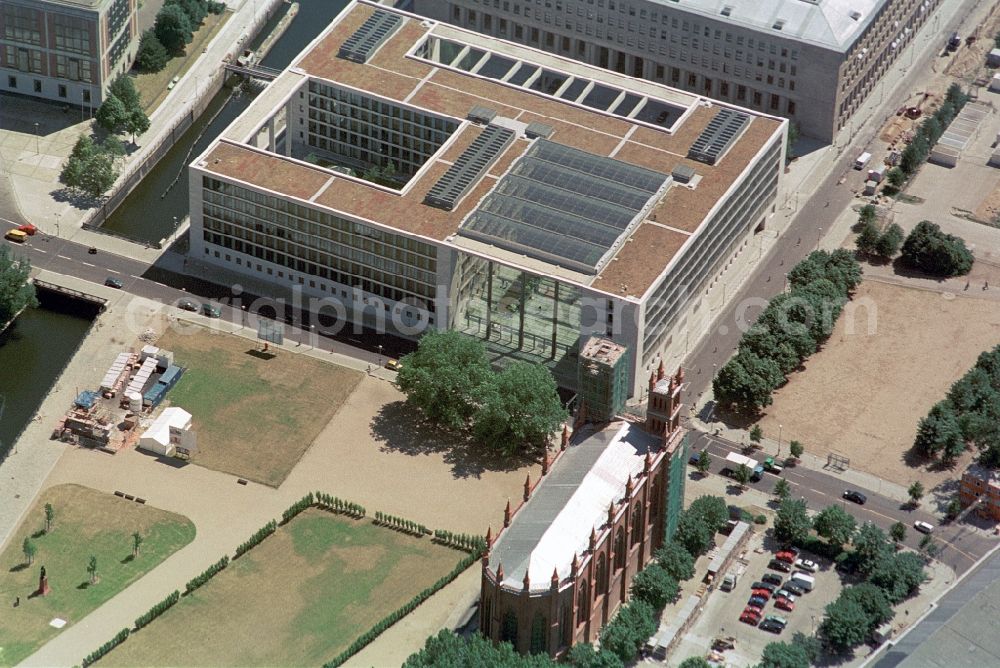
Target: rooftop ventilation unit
x=482, y=115
x=779, y=24
x=718, y=136
x=469, y=167
x=536, y=130
x=378, y=27
x=682, y=173
x=726, y=11
x=855, y=15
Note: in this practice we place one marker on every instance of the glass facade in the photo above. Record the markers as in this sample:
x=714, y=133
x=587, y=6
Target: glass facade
x=303, y=239
x=519, y=315
x=361, y=131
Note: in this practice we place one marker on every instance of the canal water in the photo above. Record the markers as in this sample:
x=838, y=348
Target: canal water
x=33, y=352
x=148, y=213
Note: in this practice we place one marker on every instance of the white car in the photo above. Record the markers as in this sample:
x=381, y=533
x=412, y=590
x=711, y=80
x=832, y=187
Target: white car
x=923, y=527
x=807, y=565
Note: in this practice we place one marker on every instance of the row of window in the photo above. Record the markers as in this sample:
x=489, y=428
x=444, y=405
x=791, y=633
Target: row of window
x=72, y=34
x=61, y=91
x=22, y=24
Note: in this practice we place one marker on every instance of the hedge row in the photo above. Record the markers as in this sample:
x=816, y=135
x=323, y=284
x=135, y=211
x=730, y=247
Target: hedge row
x=256, y=538
x=462, y=541
x=306, y=501
x=393, y=617
x=406, y=526
x=206, y=575
x=105, y=648
x=329, y=502
x=157, y=610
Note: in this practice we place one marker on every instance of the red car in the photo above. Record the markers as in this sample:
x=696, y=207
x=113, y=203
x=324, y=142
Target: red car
x=28, y=229
x=786, y=556
x=763, y=593
x=784, y=604
x=750, y=617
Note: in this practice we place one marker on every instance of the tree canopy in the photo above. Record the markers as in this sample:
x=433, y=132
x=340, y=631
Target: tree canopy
x=16, y=292
x=521, y=408
x=851, y=618
x=694, y=534
x=835, y=524
x=173, y=28
x=152, y=55
x=655, y=586
x=447, y=650
x=583, y=655
x=629, y=630
x=675, y=560
x=792, y=524
x=934, y=252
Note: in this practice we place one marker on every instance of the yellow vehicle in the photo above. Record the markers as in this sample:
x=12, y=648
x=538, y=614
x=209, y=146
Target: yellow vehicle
x=16, y=235
x=393, y=365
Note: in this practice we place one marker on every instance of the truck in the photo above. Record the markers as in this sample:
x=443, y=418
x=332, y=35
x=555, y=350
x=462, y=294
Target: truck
x=862, y=160
x=773, y=466
x=756, y=469
x=877, y=174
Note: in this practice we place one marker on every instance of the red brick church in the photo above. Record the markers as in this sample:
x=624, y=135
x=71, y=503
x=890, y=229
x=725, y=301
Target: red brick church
x=563, y=562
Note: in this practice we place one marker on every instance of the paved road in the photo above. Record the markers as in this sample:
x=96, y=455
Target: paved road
x=960, y=546
x=815, y=215
x=153, y=282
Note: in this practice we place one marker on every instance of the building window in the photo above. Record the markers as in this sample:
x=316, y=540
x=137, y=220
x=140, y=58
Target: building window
x=637, y=525
x=756, y=98
x=583, y=603
x=62, y=90
x=791, y=108
x=12, y=82
x=602, y=576
x=86, y=96
x=38, y=86
x=619, y=549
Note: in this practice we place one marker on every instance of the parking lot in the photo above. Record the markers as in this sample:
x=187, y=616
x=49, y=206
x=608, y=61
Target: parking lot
x=721, y=615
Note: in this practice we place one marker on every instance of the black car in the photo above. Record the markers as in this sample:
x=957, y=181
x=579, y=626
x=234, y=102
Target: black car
x=763, y=585
x=113, y=282
x=187, y=305
x=772, y=626
x=855, y=496
x=779, y=565
x=794, y=588
x=772, y=578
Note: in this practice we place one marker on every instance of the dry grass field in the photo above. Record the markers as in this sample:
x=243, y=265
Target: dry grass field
x=863, y=395
x=254, y=415
x=86, y=523
x=297, y=599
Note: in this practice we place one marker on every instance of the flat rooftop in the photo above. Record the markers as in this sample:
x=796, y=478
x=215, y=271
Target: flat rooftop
x=571, y=501
x=602, y=350
x=398, y=72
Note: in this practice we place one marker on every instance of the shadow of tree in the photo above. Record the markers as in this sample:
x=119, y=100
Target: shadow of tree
x=75, y=198
x=17, y=569
x=399, y=428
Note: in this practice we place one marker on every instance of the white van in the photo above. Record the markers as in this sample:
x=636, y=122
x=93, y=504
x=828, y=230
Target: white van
x=803, y=580
x=862, y=160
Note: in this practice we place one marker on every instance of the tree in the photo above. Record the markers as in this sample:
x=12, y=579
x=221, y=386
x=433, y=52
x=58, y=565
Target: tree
x=123, y=87
x=845, y=626
x=521, y=409
x=871, y=547
x=782, y=490
x=793, y=137
x=867, y=214
x=29, y=550
x=100, y=175
x=152, y=55
x=695, y=662
x=916, y=492
x=655, y=586
x=448, y=649
x=756, y=434
x=889, y=241
x=784, y=655
x=445, y=378
x=872, y=600
x=704, y=461
x=173, y=28
x=867, y=238
x=898, y=532
x=136, y=542
x=16, y=291
x=693, y=534
x=746, y=382
x=896, y=177
x=92, y=569
x=50, y=515
x=712, y=510
x=112, y=114
x=675, y=560
x=898, y=576
x=930, y=250
x=136, y=123
x=629, y=630
x=835, y=524
x=742, y=475
x=195, y=10
x=583, y=655
x=953, y=509
x=939, y=432
x=791, y=524
x=796, y=449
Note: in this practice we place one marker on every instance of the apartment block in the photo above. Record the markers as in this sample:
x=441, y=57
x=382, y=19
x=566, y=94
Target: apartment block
x=981, y=486
x=409, y=174
x=66, y=50
x=812, y=61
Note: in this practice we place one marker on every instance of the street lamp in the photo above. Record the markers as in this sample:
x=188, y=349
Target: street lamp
x=177, y=224
x=37, y=152
x=379, y=355
x=244, y=307
x=819, y=234
x=779, y=440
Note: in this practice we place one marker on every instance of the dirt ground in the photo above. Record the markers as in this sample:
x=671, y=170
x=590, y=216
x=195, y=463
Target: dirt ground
x=863, y=395
x=989, y=207
x=254, y=415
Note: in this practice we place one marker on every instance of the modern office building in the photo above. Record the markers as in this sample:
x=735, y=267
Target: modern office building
x=66, y=50
x=416, y=175
x=563, y=562
x=812, y=61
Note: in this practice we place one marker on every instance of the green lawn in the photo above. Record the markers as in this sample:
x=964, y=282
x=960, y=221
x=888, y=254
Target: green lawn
x=86, y=523
x=254, y=416
x=319, y=582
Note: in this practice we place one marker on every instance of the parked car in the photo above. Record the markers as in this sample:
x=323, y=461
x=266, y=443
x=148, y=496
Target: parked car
x=211, y=311
x=923, y=527
x=855, y=496
x=757, y=601
x=393, y=365
x=787, y=554
x=28, y=229
x=16, y=236
x=764, y=585
x=187, y=305
x=772, y=578
x=113, y=282
x=783, y=603
x=803, y=581
x=794, y=588
x=786, y=593
x=749, y=617
x=762, y=593
x=779, y=565
x=778, y=619
x=807, y=565
x=771, y=626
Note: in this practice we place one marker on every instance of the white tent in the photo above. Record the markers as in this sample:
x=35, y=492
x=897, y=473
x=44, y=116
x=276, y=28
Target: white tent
x=166, y=432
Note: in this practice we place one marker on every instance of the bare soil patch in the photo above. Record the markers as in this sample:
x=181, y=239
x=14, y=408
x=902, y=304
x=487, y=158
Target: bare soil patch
x=254, y=416
x=863, y=394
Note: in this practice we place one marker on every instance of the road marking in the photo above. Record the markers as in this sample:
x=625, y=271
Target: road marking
x=40, y=250
x=64, y=257
x=86, y=264
x=111, y=270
